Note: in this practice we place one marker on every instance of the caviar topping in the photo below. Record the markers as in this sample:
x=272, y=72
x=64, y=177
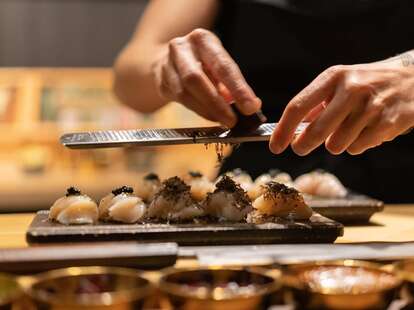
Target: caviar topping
x=123, y=189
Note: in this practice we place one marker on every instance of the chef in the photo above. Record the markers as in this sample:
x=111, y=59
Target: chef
x=344, y=66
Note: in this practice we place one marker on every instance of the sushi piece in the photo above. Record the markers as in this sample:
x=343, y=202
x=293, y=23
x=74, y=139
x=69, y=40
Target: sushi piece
x=173, y=202
x=241, y=177
x=279, y=200
x=74, y=208
x=200, y=185
x=122, y=206
x=320, y=183
x=148, y=187
x=228, y=202
x=257, y=188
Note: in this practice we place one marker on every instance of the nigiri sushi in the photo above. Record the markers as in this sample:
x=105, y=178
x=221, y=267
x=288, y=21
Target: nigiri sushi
x=122, y=206
x=228, y=202
x=74, y=208
x=200, y=185
x=241, y=177
x=257, y=188
x=173, y=202
x=319, y=183
x=147, y=187
x=279, y=200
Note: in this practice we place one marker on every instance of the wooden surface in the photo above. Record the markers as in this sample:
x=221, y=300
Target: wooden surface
x=395, y=224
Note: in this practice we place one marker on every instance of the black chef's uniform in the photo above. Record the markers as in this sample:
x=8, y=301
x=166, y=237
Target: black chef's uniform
x=282, y=45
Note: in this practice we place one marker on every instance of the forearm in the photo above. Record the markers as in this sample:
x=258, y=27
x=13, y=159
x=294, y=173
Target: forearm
x=134, y=81
x=162, y=21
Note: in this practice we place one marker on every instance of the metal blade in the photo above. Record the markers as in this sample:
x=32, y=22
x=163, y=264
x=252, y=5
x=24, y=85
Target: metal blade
x=154, y=137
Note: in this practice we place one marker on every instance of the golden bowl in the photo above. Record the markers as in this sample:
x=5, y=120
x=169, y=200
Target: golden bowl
x=216, y=288
x=341, y=285
x=10, y=292
x=89, y=288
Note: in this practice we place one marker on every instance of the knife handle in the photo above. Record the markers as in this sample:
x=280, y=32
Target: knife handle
x=247, y=123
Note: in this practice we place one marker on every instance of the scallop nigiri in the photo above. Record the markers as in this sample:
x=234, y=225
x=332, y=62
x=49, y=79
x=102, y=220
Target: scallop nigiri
x=257, y=188
x=148, y=187
x=319, y=183
x=174, y=202
x=228, y=202
x=74, y=208
x=279, y=200
x=241, y=177
x=122, y=206
x=200, y=185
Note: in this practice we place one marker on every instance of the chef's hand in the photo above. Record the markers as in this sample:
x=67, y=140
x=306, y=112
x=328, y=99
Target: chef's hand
x=197, y=71
x=350, y=108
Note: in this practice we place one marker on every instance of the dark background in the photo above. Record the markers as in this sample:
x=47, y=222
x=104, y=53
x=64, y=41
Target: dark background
x=65, y=32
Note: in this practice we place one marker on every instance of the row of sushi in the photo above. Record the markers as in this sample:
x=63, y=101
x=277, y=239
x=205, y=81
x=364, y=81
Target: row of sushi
x=234, y=197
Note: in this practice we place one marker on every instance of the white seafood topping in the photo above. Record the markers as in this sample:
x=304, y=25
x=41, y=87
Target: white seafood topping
x=200, y=185
x=322, y=184
x=122, y=206
x=229, y=202
x=174, y=202
x=276, y=176
x=282, y=201
x=74, y=208
x=240, y=177
x=148, y=187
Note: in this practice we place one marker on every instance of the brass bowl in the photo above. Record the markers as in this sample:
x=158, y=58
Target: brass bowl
x=405, y=269
x=10, y=292
x=89, y=288
x=340, y=285
x=216, y=288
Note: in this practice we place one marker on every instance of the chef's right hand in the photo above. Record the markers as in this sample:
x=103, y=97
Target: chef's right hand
x=198, y=72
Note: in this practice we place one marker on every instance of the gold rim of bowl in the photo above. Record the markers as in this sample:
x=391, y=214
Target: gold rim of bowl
x=168, y=287
x=93, y=299
x=297, y=284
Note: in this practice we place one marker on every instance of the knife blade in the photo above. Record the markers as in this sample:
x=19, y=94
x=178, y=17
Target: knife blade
x=171, y=136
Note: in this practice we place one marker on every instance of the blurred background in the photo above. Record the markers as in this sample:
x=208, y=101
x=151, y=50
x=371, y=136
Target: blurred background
x=55, y=77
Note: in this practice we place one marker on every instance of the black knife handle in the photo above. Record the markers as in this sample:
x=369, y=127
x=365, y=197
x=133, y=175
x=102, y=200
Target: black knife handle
x=247, y=123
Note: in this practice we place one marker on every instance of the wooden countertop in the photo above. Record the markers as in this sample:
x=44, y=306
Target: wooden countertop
x=394, y=224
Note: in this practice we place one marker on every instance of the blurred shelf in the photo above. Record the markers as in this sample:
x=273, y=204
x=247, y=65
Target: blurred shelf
x=38, y=105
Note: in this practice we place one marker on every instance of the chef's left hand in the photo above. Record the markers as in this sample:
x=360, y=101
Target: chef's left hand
x=350, y=108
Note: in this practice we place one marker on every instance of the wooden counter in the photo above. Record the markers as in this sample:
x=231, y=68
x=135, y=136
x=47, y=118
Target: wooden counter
x=395, y=224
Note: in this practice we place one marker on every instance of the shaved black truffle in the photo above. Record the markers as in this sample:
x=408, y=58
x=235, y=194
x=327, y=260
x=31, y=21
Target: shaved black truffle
x=275, y=189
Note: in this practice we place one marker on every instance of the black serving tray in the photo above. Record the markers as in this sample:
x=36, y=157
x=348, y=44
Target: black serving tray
x=317, y=229
x=352, y=209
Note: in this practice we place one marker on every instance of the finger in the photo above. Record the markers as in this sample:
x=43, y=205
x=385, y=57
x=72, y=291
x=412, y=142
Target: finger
x=321, y=89
x=319, y=130
x=171, y=86
x=197, y=83
x=192, y=103
x=369, y=137
x=351, y=127
x=384, y=129
x=224, y=69
x=314, y=113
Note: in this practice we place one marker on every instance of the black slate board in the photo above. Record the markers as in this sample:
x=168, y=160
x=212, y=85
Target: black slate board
x=352, y=209
x=317, y=229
